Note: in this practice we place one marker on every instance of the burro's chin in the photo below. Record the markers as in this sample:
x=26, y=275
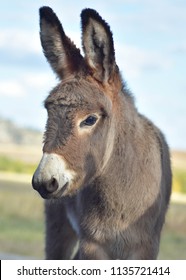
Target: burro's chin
x=52, y=178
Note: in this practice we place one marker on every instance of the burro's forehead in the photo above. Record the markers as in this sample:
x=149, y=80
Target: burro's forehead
x=81, y=94
x=68, y=105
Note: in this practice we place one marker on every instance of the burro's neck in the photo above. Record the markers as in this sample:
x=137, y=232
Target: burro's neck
x=120, y=145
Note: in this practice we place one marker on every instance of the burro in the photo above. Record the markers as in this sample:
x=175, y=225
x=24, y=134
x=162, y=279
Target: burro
x=105, y=171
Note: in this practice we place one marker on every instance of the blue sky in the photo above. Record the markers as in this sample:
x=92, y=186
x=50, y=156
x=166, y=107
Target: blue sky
x=150, y=44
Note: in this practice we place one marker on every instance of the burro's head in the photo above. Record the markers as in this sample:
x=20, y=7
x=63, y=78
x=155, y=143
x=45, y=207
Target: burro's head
x=82, y=108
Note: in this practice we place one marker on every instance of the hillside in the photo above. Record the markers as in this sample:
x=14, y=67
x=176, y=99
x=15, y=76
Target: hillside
x=10, y=133
x=26, y=144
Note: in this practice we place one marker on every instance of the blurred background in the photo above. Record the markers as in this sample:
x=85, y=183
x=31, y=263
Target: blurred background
x=150, y=44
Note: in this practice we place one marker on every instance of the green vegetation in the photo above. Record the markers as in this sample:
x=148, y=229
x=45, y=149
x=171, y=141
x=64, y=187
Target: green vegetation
x=22, y=224
x=21, y=220
x=17, y=166
x=14, y=165
x=179, y=180
x=173, y=240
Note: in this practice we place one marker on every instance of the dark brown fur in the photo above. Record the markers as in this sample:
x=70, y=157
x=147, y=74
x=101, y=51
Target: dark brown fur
x=116, y=206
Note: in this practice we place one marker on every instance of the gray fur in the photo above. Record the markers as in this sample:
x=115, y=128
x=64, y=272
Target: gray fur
x=116, y=206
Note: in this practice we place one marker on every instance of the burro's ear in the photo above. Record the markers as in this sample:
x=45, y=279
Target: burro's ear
x=98, y=46
x=63, y=56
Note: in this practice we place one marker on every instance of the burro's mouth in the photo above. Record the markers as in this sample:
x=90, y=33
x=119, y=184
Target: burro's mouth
x=59, y=193
x=55, y=195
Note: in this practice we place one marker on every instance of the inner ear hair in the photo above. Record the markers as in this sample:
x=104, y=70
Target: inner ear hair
x=98, y=45
x=62, y=54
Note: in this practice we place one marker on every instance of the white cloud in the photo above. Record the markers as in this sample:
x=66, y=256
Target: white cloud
x=26, y=84
x=154, y=43
x=39, y=80
x=11, y=88
x=135, y=61
x=19, y=40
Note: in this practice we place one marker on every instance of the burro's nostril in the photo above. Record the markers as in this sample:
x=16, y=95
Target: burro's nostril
x=52, y=185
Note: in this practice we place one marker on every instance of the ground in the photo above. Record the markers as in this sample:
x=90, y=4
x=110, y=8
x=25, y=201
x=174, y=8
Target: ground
x=22, y=219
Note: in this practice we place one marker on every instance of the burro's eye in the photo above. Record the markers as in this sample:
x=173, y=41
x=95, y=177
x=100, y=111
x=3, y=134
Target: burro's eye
x=89, y=121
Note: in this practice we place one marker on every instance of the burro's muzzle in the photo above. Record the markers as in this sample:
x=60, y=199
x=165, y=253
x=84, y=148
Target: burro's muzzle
x=52, y=177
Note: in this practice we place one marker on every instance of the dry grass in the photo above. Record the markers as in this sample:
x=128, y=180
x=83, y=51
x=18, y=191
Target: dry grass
x=22, y=222
x=179, y=159
x=28, y=154
x=22, y=219
x=32, y=154
x=173, y=241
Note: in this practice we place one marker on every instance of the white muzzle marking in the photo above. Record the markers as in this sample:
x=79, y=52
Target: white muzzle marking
x=53, y=166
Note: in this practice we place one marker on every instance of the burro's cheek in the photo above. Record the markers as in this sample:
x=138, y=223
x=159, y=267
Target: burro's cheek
x=53, y=176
